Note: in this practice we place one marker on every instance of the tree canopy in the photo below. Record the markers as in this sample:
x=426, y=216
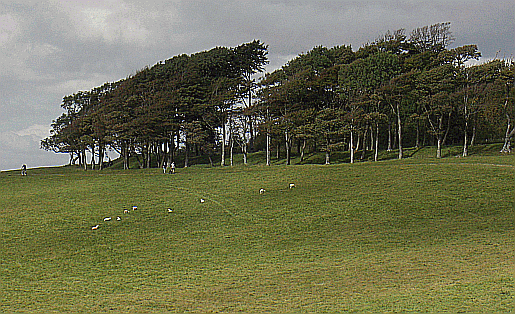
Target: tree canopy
x=395, y=91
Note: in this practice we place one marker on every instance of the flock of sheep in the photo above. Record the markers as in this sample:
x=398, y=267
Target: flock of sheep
x=126, y=211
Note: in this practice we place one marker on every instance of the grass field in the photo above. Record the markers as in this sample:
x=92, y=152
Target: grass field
x=418, y=235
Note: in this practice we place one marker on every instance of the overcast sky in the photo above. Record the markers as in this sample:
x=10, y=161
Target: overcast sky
x=49, y=49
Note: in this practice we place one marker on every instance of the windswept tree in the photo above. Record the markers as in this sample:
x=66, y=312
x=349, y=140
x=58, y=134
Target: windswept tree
x=507, y=79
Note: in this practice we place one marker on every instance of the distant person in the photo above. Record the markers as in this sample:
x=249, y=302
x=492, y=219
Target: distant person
x=164, y=168
x=24, y=170
x=172, y=167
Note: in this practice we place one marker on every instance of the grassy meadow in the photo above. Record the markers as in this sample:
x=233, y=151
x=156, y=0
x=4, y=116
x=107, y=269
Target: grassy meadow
x=418, y=235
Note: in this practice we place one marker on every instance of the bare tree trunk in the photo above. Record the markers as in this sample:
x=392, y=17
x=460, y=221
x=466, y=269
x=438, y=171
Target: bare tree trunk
x=187, y=152
x=287, y=138
x=448, y=129
x=351, y=146
x=358, y=143
x=224, y=135
x=473, y=139
x=439, y=147
x=465, y=139
x=327, y=153
x=93, y=157
x=399, y=131
x=376, y=154
x=149, y=155
x=268, y=159
x=302, y=149
x=231, y=144
x=417, y=140
x=509, y=134
x=101, y=152
x=389, y=136
x=84, y=161
x=245, y=152
x=364, y=150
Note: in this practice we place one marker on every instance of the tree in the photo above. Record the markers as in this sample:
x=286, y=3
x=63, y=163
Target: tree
x=507, y=77
x=437, y=87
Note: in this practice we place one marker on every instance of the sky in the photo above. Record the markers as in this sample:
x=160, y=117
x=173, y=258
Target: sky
x=50, y=49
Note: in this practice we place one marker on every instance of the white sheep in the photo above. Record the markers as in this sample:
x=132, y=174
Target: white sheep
x=125, y=211
x=170, y=210
x=262, y=191
x=292, y=185
x=134, y=207
x=118, y=218
x=107, y=218
x=202, y=200
x=95, y=227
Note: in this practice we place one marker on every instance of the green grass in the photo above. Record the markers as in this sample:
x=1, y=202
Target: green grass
x=418, y=235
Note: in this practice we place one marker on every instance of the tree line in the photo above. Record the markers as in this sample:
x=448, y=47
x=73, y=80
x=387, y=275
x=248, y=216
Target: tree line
x=398, y=91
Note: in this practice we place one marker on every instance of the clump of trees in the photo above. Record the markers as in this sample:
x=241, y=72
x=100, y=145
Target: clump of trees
x=397, y=91
x=186, y=101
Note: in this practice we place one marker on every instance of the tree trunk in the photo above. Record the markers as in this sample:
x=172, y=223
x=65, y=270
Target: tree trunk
x=231, y=147
x=287, y=138
x=439, y=147
x=93, y=157
x=268, y=159
x=222, y=162
x=187, y=151
x=376, y=154
x=327, y=152
x=417, y=140
x=351, y=146
x=448, y=129
x=101, y=152
x=509, y=134
x=364, y=150
x=84, y=161
x=149, y=155
x=465, y=139
x=244, y=151
x=399, y=131
x=389, y=136
x=302, y=149
x=473, y=139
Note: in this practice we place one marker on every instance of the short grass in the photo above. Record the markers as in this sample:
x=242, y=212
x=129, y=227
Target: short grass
x=419, y=235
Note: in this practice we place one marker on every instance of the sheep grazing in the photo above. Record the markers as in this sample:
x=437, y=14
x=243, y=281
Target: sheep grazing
x=292, y=185
x=95, y=227
x=170, y=210
x=107, y=218
x=262, y=191
x=134, y=207
x=125, y=211
x=118, y=218
x=202, y=201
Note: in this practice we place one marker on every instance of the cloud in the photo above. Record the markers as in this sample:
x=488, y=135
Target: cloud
x=22, y=147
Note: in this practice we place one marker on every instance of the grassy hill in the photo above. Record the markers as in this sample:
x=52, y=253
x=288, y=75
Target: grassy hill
x=418, y=235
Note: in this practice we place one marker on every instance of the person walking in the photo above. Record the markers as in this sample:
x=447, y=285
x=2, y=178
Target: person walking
x=24, y=170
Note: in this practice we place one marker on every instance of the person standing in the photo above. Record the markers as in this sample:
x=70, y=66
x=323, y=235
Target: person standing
x=24, y=170
x=172, y=167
